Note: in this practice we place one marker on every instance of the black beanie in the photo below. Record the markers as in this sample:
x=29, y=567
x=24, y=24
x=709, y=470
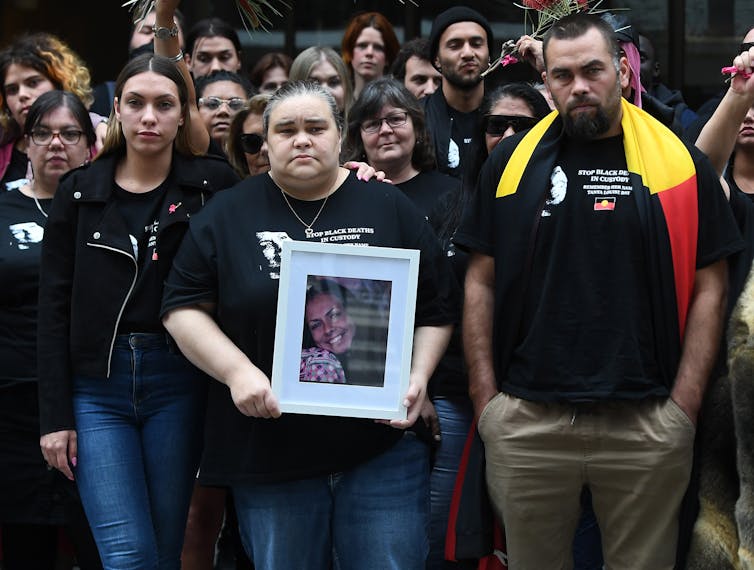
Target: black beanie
x=453, y=16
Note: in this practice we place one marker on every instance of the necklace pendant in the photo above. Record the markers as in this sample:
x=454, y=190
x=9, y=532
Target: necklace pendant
x=309, y=233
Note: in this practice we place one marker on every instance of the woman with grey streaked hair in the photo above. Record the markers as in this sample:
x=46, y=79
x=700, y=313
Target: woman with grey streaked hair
x=349, y=489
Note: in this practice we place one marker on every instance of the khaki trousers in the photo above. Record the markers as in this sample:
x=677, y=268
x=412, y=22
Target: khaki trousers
x=634, y=456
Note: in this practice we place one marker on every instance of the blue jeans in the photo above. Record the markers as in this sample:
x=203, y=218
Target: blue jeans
x=455, y=416
x=139, y=440
x=372, y=517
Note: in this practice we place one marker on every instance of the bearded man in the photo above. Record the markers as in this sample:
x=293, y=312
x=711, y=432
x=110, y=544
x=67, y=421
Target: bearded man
x=459, y=47
x=593, y=311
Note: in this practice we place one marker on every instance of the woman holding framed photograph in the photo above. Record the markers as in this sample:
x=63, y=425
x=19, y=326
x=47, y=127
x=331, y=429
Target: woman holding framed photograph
x=220, y=306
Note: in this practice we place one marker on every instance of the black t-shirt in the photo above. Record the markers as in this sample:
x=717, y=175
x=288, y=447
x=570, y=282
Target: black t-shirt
x=231, y=257
x=141, y=214
x=587, y=313
x=426, y=188
x=465, y=133
x=15, y=174
x=579, y=338
x=23, y=226
x=433, y=192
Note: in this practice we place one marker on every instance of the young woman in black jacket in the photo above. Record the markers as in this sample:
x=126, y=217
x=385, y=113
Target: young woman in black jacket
x=121, y=409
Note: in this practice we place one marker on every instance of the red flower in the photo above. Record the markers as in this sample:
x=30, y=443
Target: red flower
x=540, y=4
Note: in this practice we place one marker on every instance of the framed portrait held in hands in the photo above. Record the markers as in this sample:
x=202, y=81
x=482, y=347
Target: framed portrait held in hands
x=344, y=330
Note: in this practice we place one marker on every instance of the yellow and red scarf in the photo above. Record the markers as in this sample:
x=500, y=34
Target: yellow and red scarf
x=666, y=170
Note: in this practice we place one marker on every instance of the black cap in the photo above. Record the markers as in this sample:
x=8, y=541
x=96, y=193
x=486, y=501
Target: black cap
x=453, y=16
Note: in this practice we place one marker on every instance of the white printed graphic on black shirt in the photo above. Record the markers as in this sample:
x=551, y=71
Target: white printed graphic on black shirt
x=606, y=186
x=558, y=188
x=151, y=231
x=454, y=155
x=272, y=245
x=16, y=184
x=26, y=233
x=134, y=246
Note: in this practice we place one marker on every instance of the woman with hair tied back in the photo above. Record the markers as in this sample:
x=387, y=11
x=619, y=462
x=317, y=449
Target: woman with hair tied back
x=509, y=109
x=212, y=44
x=121, y=409
x=35, y=501
x=351, y=493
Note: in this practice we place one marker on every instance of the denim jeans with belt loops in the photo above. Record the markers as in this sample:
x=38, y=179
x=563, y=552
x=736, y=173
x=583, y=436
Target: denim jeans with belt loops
x=139, y=440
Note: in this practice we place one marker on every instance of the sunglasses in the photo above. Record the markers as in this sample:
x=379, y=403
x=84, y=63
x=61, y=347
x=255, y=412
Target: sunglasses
x=498, y=124
x=213, y=103
x=251, y=142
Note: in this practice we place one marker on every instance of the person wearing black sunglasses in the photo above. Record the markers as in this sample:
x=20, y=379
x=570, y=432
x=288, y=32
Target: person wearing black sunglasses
x=244, y=145
x=509, y=109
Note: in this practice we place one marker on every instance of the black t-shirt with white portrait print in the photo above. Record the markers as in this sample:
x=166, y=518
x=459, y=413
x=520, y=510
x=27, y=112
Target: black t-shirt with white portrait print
x=15, y=174
x=22, y=224
x=589, y=277
x=230, y=257
x=140, y=212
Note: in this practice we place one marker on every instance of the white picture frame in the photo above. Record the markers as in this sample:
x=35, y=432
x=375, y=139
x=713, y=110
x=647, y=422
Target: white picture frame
x=359, y=303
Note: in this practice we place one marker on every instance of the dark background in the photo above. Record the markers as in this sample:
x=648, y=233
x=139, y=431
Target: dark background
x=694, y=37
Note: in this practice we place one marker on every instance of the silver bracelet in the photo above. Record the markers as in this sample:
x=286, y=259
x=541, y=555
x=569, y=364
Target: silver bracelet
x=177, y=58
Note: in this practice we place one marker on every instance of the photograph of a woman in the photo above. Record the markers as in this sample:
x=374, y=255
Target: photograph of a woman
x=345, y=331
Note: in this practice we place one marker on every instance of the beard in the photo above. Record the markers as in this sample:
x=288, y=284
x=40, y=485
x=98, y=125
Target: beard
x=589, y=126
x=585, y=127
x=462, y=82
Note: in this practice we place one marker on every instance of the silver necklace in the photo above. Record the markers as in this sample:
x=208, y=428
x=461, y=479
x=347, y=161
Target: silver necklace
x=308, y=231
x=36, y=201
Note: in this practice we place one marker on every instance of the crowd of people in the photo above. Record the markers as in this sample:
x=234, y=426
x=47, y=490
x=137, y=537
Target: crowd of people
x=584, y=239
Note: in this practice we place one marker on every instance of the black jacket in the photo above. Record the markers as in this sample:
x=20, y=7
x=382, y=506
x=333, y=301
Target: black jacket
x=440, y=127
x=88, y=270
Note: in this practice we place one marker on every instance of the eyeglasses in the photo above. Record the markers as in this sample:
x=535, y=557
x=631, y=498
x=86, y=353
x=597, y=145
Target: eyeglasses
x=43, y=137
x=497, y=124
x=213, y=103
x=393, y=121
x=251, y=142
x=745, y=47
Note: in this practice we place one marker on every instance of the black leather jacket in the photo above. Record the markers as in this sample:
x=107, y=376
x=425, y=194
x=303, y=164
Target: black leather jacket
x=88, y=270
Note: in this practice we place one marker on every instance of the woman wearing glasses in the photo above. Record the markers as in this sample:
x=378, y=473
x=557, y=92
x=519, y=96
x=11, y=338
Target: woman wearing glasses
x=387, y=128
x=221, y=95
x=121, y=410
x=34, y=501
x=509, y=109
x=30, y=66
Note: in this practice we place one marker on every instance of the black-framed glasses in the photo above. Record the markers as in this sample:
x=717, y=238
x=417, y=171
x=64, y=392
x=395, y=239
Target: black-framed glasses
x=251, y=142
x=497, y=124
x=746, y=46
x=393, y=120
x=213, y=103
x=43, y=137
